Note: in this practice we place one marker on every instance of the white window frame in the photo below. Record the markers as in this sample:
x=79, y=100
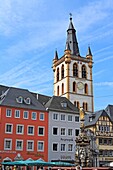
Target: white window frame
x=63, y=119
x=61, y=147
x=57, y=146
x=38, y=145
x=28, y=130
x=11, y=128
x=42, y=119
x=27, y=115
x=61, y=130
x=7, y=139
x=57, y=130
x=43, y=130
x=22, y=129
x=71, y=131
x=68, y=147
x=32, y=145
x=68, y=118
x=78, y=118
x=55, y=116
x=35, y=115
x=21, y=149
x=75, y=131
x=18, y=112
x=7, y=112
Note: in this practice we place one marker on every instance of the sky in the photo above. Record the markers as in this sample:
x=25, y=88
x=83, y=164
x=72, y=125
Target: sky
x=31, y=31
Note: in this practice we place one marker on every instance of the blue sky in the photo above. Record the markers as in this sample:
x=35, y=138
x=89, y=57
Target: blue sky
x=31, y=30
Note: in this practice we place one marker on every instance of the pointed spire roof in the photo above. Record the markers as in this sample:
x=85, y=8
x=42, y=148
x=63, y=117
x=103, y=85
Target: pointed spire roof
x=67, y=46
x=89, y=51
x=71, y=38
x=56, y=55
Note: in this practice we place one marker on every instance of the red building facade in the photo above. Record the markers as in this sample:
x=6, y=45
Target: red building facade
x=23, y=126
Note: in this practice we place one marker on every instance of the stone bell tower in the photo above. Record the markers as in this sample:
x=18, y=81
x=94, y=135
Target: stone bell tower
x=73, y=73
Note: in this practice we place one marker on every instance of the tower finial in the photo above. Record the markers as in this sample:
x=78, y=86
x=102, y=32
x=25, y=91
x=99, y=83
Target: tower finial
x=70, y=16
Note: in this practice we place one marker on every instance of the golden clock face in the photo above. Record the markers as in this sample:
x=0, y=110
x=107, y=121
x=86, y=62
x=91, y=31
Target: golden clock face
x=80, y=85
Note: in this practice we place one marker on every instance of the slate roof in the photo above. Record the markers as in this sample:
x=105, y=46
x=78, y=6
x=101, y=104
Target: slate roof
x=54, y=104
x=8, y=98
x=109, y=110
x=95, y=116
x=43, y=99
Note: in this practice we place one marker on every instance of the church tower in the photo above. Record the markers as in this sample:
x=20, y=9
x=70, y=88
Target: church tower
x=73, y=73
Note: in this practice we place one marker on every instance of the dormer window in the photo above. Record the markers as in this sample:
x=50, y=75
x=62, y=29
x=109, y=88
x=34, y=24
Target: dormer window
x=27, y=100
x=19, y=99
x=64, y=104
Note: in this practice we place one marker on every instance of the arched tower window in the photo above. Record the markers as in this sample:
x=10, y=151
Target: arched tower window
x=86, y=89
x=74, y=86
x=62, y=71
x=57, y=90
x=75, y=69
x=75, y=103
x=78, y=105
x=83, y=71
x=86, y=106
x=62, y=88
x=57, y=74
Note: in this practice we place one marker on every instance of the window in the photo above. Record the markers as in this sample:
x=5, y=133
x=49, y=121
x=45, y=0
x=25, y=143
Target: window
x=41, y=116
x=19, y=144
x=30, y=130
x=41, y=131
x=55, y=116
x=70, y=147
x=74, y=86
x=8, y=113
x=64, y=104
x=86, y=107
x=19, y=99
x=62, y=71
x=76, y=132
x=63, y=131
x=62, y=88
x=62, y=117
x=78, y=105
x=63, y=147
x=57, y=74
x=33, y=116
x=70, y=118
x=75, y=103
x=9, y=128
x=75, y=70
x=26, y=114
x=17, y=113
x=30, y=145
x=55, y=146
x=70, y=132
x=86, y=89
x=20, y=129
x=40, y=146
x=83, y=71
x=27, y=100
x=76, y=118
x=7, y=144
x=100, y=141
x=57, y=90
x=55, y=131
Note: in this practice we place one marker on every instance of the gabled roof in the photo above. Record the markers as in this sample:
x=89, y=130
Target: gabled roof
x=95, y=116
x=56, y=104
x=9, y=98
x=109, y=110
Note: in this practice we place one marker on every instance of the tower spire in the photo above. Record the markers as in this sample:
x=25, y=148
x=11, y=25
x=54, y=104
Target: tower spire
x=71, y=38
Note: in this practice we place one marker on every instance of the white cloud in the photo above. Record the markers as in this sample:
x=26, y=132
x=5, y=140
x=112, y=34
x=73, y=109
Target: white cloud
x=110, y=84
